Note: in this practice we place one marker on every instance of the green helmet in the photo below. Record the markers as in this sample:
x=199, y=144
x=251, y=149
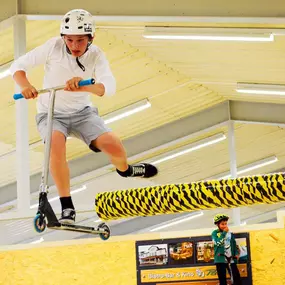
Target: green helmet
x=220, y=217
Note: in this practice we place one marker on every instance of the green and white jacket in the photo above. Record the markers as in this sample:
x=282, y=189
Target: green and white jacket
x=224, y=246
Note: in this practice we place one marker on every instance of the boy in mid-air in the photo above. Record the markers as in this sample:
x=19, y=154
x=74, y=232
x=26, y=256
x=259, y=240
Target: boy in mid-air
x=67, y=59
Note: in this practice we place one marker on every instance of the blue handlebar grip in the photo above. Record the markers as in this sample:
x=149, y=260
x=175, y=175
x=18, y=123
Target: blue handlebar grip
x=86, y=82
x=18, y=96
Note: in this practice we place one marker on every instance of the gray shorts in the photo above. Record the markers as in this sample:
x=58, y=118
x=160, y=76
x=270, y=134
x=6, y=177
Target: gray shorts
x=85, y=125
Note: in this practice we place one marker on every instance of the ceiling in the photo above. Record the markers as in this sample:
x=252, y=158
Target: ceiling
x=180, y=79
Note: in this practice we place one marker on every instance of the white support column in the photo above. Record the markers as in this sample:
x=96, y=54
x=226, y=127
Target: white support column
x=233, y=166
x=22, y=131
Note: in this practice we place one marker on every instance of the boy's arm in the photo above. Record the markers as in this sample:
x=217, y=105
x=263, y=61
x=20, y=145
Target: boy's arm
x=105, y=82
x=27, y=90
x=218, y=238
x=21, y=79
x=31, y=59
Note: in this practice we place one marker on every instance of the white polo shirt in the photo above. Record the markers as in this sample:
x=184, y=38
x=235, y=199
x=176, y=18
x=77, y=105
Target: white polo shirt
x=60, y=66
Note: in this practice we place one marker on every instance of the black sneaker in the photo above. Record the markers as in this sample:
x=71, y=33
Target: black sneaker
x=67, y=216
x=144, y=170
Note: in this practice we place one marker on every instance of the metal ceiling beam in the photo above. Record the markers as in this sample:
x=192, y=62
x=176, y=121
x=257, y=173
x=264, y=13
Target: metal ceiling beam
x=222, y=8
x=147, y=20
x=257, y=113
x=188, y=11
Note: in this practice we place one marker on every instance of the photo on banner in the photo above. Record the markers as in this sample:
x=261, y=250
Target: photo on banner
x=156, y=254
x=181, y=253
x=205, y=251
x=186, y=261
x=242, y=245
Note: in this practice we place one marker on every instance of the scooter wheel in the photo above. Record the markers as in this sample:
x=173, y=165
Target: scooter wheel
x=39, y=223
x=107, y=231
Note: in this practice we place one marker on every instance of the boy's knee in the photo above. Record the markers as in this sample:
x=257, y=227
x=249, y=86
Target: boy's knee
x=113, y=149
x=110, y=145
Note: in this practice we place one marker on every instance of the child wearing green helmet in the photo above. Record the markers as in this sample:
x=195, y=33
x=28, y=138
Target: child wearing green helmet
x=225, y=250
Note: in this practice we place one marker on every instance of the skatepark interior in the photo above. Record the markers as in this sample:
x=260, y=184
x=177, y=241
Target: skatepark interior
x=189, y=87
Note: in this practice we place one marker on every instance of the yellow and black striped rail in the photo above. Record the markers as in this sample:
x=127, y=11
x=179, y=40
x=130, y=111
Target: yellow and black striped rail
x=177, y=198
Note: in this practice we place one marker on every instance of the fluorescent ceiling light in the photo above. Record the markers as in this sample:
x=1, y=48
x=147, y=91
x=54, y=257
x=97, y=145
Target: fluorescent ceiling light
x=5, y=70
x=249, y=167
x=210, y=34
x=4, y=73
x=57, y=197
x=126, y=111
x=178, y=221
x=188, y=148
x=211, y=38
x=78, y=190
x=38, y=241
x=264, y=89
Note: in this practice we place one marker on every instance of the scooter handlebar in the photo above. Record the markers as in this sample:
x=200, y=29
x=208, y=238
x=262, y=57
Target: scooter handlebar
x=86, y=82
x=80, y=83
x=18, y=96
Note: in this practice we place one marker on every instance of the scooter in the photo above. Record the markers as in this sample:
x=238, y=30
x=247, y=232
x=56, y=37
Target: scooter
x=45, y=216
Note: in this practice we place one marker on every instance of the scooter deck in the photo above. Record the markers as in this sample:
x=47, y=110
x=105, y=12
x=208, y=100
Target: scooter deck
x=46, y=214
x=77, y=228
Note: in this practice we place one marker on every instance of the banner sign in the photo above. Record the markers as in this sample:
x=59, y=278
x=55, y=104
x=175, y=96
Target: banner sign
x=186, y=261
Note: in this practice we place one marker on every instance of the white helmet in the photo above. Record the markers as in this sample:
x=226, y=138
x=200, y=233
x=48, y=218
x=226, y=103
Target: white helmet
x=77, y=22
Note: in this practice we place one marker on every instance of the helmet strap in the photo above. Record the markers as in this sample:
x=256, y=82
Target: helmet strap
x=80, y=64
